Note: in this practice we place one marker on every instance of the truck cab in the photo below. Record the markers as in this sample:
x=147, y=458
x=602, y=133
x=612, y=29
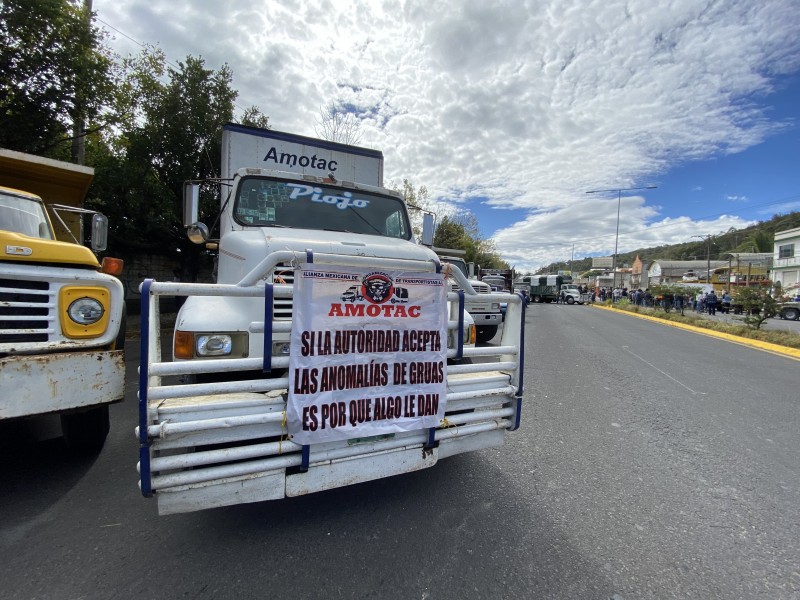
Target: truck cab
x=484, y=310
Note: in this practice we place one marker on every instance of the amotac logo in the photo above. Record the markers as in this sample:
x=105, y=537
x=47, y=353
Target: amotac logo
x=377, y=288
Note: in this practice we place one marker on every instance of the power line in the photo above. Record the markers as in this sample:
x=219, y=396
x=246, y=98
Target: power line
x=142, y=45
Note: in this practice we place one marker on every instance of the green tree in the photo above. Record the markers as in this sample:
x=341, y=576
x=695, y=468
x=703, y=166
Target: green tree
x=253, y=117
x=757, y=304
x=759, y=240
x=450, y=234
x=55, y=72
x=170, y=133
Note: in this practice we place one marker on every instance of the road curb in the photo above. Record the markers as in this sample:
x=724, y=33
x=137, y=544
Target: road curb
x=757, y=344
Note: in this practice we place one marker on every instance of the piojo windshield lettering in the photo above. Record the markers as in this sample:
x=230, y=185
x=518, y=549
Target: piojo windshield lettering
x=268, y=202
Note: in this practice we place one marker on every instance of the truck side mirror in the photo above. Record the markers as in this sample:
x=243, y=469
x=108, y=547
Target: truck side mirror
x=99, y=232
x=191, y=203
x=198, y=233
x=427, y=229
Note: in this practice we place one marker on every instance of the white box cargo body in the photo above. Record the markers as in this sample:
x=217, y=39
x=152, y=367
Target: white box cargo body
x=249, y=147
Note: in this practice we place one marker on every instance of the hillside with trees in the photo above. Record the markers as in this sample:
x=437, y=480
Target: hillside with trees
x=756, y=238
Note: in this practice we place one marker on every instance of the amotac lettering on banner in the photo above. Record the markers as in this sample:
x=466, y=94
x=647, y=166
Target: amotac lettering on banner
x=368, y=353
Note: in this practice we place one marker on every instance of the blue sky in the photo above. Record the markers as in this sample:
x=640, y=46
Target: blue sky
x=513, y=110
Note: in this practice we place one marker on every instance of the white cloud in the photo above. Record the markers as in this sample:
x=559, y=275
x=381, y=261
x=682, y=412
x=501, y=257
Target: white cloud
x=528, y=104
x=549, y=236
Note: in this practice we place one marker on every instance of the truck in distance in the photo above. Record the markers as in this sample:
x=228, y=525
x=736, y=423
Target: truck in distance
x=547, y=288
x=484, y=310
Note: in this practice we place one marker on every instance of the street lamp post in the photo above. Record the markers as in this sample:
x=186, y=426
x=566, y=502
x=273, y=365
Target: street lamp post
x=619, y=203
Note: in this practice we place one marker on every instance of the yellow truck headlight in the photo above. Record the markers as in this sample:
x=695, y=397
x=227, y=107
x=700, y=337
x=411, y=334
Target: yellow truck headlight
x=84, y=311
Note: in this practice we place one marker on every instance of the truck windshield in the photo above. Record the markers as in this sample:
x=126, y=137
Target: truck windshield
x=457, y=262
x=24, y=215
x=269, y=202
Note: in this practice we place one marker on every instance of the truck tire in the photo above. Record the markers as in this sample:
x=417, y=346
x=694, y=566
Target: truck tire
x=791, y=313
x=537, y=299
x=85, y=432
x=570, y=300
x=484, y=334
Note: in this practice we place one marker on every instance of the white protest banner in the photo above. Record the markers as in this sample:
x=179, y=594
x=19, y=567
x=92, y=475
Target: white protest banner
x=368, y=354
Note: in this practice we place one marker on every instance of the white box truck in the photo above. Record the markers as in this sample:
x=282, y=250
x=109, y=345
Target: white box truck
x=330, y=351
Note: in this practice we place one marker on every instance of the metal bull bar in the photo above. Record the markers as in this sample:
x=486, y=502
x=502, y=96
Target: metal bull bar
x=225, y=442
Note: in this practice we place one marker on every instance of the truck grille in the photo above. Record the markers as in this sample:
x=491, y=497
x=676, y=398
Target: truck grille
x=480, y=288
x=282, y=307
x=25, y=311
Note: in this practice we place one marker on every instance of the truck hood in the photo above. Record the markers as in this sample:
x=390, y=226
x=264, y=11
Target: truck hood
x=25, y=249
x=240, y=251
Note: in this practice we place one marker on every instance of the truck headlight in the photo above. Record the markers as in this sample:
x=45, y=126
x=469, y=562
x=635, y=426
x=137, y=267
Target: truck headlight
x=187, y=345
x=218, y=344
x=86, y=311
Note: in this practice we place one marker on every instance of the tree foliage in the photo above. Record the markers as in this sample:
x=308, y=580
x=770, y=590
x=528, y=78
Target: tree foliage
x=462, y=233
x=55, y=72
x=757, y=304
x=759, y=240
x=170, y=132
x=253, y=117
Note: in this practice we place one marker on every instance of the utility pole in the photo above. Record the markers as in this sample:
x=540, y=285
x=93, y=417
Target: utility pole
x=619, y=202
x=79, y=126
x=707, y=238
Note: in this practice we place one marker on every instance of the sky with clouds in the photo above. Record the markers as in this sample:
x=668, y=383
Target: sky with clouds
x=515, y=109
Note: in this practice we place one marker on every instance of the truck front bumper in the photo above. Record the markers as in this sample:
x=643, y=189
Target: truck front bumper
x=33, y=385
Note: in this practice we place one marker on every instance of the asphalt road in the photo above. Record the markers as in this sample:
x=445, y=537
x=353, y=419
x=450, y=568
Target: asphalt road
x=651, y=463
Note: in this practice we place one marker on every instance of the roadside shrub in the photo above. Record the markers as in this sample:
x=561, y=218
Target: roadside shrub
x=781, y=338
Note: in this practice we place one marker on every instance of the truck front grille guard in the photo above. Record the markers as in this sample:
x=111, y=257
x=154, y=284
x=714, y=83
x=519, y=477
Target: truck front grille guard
x=248, y=417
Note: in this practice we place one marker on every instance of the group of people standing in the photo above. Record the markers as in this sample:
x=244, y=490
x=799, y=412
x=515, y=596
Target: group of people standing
x=702, y=302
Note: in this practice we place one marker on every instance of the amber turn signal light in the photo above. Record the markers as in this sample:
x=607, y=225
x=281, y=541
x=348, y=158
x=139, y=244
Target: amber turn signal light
x=112, y=266
x=183, y=345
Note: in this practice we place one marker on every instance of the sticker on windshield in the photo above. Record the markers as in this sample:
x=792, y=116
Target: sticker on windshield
x=315, y=194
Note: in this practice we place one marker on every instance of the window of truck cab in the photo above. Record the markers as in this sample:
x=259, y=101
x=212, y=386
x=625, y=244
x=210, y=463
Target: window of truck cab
x=272, y=202
x=25, y=215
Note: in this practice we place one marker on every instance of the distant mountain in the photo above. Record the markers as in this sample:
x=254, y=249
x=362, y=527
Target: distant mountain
x=756, y=238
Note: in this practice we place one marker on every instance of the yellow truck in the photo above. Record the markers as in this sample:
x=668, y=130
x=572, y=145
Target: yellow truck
x=61, y=312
